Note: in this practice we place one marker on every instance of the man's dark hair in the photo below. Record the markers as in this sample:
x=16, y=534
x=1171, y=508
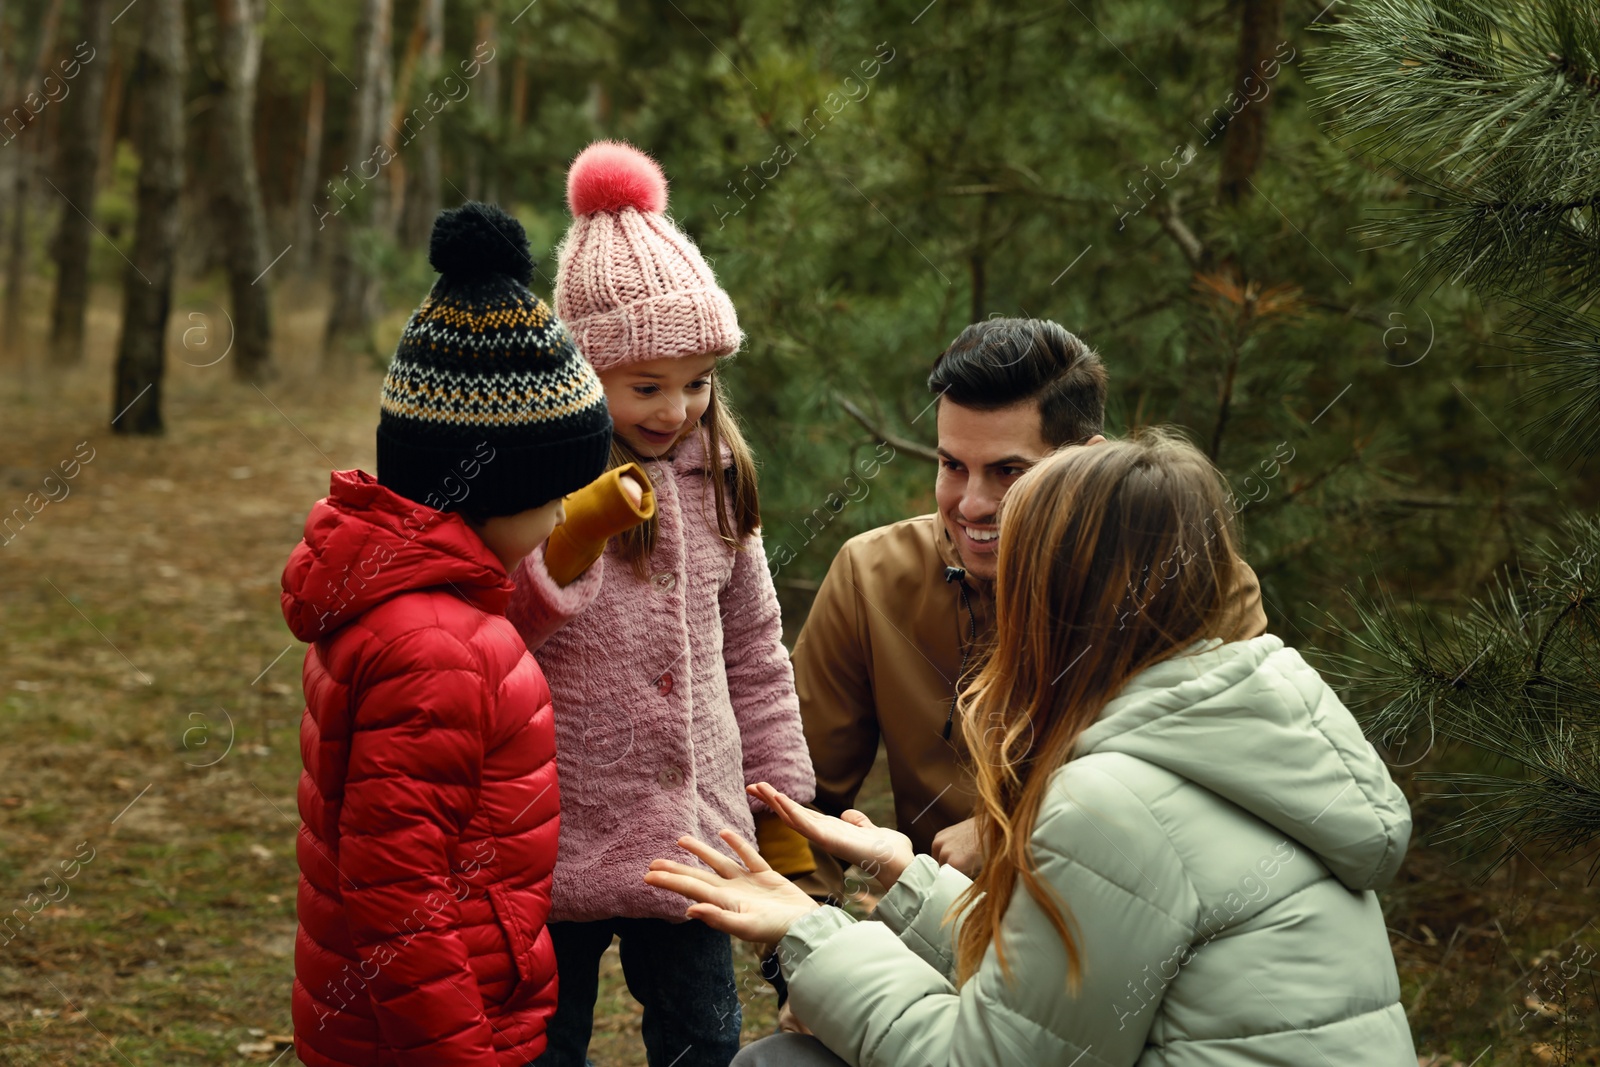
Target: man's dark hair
x=1000, y=362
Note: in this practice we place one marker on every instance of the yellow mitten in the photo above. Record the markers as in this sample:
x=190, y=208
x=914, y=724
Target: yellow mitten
x=595, y=513
x=784, y=849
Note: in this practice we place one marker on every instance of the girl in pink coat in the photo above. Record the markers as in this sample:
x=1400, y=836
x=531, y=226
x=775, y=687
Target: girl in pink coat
x=665, y=658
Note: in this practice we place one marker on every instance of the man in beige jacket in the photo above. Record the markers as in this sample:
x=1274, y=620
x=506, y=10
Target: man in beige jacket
x=905, y=609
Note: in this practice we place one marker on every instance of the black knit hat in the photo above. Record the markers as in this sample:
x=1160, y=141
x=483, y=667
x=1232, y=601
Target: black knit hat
x=488, y=408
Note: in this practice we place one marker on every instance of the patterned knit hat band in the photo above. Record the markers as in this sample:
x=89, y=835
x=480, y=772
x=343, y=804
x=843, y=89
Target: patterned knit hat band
x=630, y=284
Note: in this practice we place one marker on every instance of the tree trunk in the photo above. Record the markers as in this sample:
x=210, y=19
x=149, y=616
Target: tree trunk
x=485, y=176
x=978, y=261
x=350, y=323
x=111, y=114
x=310, y=170
x=242, y=218
x=423, y=194
x=28, y=154
x=392, y=134
x=80, y=164
x=147, y=286
x=1245, y=141
x=519, y=93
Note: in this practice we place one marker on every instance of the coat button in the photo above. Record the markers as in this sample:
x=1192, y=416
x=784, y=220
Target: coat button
x=664, y=684
x=670, y=778
x=664, y=582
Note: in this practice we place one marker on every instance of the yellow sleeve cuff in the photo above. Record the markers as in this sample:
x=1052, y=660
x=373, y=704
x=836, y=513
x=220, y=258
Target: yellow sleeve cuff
x=784, y=849
x=595, y=514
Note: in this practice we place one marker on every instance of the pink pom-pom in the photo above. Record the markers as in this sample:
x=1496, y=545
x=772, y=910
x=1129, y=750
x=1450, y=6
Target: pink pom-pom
x=611, y=175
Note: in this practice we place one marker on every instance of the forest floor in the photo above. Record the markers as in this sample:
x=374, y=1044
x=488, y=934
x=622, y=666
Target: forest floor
x=151, y=704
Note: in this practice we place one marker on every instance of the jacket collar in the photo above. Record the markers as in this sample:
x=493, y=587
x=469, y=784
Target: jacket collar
x=689, y=455
x=980, y=591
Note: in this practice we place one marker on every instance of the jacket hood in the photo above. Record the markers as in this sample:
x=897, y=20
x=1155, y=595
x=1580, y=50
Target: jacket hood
x=365, y=544
x=1252, y=722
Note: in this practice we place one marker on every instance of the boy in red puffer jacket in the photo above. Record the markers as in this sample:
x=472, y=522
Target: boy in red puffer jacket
x=429, y=796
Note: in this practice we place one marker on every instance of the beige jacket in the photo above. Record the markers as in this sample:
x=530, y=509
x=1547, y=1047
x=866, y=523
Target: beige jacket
x=880, y=656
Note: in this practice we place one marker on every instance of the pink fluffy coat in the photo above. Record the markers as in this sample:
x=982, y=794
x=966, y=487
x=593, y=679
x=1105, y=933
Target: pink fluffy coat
x=671, y=693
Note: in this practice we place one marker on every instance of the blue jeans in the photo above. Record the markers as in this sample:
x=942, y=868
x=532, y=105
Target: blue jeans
x=682, y=973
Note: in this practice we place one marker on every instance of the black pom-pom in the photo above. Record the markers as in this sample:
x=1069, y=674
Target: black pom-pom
x=476, y=240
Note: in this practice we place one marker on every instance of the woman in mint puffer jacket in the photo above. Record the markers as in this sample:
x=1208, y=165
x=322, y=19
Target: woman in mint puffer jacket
x=1182, y=838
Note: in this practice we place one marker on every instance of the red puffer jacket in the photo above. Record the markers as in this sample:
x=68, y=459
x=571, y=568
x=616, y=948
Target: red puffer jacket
x=428, y=801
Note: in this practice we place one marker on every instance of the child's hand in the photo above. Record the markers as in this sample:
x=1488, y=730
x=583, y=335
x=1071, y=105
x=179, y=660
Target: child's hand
x=634, y=490
x=882, y=853
x=752, y=902
x=618, y=500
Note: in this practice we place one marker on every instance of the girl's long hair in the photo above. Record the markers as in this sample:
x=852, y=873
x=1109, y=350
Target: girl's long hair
x=1112, y=557
x=737, y=503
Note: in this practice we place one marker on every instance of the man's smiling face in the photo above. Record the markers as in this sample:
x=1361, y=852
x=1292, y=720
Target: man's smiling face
x=981, y=453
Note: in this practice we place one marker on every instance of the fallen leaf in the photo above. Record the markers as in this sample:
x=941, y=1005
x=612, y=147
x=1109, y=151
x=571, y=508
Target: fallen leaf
x=1542, y=1008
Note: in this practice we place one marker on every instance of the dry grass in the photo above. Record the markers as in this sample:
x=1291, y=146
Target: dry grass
x=143, y=641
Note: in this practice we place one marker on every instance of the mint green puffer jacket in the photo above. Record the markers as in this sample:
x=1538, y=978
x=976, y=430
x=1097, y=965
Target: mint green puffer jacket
x=1218, y=837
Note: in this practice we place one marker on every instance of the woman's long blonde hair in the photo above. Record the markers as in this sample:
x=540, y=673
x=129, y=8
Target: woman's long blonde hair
x=738, y=505
x=1112, y=557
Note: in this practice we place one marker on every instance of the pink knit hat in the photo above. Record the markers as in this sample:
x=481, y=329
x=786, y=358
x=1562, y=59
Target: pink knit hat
x=630, y=285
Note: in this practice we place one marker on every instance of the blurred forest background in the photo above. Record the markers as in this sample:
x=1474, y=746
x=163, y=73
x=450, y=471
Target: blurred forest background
x=213, y=226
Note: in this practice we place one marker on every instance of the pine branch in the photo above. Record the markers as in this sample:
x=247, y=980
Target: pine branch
x=900, y=444
x=1564, y=347
x=1193, y=250
x=1466, y=79
x=1525, y=689
x=1490, y=113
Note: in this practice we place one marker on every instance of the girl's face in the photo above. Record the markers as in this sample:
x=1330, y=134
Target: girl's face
x=656, y=402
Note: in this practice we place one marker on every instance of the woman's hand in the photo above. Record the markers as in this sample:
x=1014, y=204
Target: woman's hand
x=882, y=853
x=752, y=902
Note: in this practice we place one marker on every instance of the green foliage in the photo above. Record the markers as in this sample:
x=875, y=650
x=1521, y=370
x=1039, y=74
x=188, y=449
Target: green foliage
x=1517, y=677
x=1488, y=114
x=1491, y=114
x=868, y=179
